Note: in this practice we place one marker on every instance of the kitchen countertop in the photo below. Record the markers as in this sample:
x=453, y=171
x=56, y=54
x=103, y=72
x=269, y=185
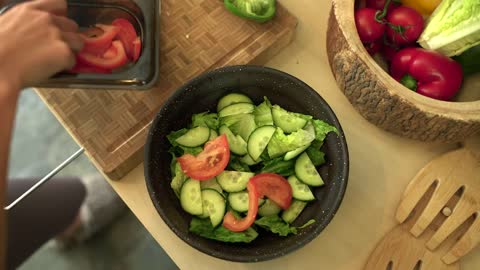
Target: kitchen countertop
x=381, y=165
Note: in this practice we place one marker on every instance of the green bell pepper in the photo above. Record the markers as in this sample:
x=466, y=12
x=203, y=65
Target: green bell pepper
x=258, y=10
x=470, y=60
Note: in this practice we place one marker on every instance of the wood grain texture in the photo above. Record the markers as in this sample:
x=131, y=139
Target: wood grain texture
x=453, y=175
x=383, y=101
x=196, y=36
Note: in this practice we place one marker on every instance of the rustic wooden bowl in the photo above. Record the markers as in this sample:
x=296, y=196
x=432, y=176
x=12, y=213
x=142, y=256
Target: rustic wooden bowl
x=385, y=102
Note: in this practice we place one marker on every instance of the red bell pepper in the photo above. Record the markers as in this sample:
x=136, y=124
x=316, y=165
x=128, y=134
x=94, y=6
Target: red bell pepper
x=427, y=72
x=239, y=225
x=271, y=185
x=99, y=38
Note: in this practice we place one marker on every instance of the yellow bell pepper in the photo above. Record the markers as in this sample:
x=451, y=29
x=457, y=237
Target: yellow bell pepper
x=425, y=7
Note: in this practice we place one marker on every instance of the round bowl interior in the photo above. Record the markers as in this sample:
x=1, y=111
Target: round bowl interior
x=202, y=94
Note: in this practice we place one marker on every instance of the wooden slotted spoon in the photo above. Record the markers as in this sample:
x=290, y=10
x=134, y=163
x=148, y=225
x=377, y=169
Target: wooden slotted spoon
x=439, y=216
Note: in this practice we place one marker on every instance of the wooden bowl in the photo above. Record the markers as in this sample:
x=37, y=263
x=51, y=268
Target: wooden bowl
x=385, y=102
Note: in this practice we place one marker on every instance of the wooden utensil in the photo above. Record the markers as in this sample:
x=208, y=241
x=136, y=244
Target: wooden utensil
x=438, y=214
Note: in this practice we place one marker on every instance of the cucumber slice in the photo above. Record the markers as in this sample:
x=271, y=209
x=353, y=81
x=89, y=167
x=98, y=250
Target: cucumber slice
x=236, y=109
x=213, y=135
x=232, y=98
x=310, y=128
x=294, y=153
x=259, y=140
x=306, y=171
x=237, y=144
x=239, y=201
x=247, y=159
x=293, y=211
x=233, y=181
x=269, y=208
x=287, y=121
x=300, y=191
x=211, y=184
x=214, y=206
x=244, y=126
x=194, y=137
x=191, y=197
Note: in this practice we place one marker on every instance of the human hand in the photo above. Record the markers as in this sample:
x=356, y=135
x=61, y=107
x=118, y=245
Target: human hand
x=37, y=41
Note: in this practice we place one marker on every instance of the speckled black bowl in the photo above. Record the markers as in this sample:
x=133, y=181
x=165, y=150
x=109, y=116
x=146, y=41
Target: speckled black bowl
x=202, y=94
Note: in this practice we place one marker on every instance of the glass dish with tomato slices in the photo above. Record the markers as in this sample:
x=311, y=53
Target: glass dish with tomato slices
x=121, y=48
x=246, y=163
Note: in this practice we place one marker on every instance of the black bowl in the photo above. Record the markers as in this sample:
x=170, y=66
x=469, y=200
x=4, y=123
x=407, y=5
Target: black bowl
x=202, y=94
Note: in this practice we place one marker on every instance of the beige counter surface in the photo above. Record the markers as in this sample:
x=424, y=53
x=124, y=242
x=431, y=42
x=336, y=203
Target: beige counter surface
x=381, y=165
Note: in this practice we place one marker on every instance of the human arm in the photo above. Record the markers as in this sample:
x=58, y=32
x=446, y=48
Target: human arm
x=37, y=42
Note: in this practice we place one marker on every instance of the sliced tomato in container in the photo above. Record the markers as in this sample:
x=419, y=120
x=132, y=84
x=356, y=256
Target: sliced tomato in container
x=99, y=38
x=127, y=35
x=210, y=162
x=119, y=59
x=137, y=49
x=81, y=68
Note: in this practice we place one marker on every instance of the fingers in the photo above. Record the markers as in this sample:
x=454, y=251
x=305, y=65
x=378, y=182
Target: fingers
x=65, y=24
x=57, y=7
x=74, y=41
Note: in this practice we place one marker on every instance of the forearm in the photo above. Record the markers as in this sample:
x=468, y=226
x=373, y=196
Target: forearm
x=8, y=101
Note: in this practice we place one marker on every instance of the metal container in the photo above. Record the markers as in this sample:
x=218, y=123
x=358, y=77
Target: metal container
x=143, y=14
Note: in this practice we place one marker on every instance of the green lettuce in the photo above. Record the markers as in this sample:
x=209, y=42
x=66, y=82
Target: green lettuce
x=276, y=225
x=453, y=28
x=263, y=113
x=205, y=119
x=236, y=165
x=204, y=228
x=322, y=129
x=281, y=143
x=178, y=179
x=279, y=166
x=315, y=154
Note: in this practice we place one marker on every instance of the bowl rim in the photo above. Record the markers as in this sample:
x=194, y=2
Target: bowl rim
x=469, y=110
x=344, y=168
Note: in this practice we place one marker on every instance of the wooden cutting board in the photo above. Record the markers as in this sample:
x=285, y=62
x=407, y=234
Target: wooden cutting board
x=196, y=36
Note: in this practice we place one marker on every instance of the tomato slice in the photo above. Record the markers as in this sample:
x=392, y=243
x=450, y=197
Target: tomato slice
x=82, y=68
x=98, y=39
x=127, y=35
x=93, y=60
x=110, y=53
x=137, y=49
x=274, y=187
x=238, y=225
x=210, y=162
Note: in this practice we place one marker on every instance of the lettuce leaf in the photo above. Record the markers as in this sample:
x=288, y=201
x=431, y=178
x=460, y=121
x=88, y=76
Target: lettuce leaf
x=276, y=225
x=322, y=129
x=263, y=113
x=281, y=143
x=205, y=119
x=204, y=228
x=279, y=166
